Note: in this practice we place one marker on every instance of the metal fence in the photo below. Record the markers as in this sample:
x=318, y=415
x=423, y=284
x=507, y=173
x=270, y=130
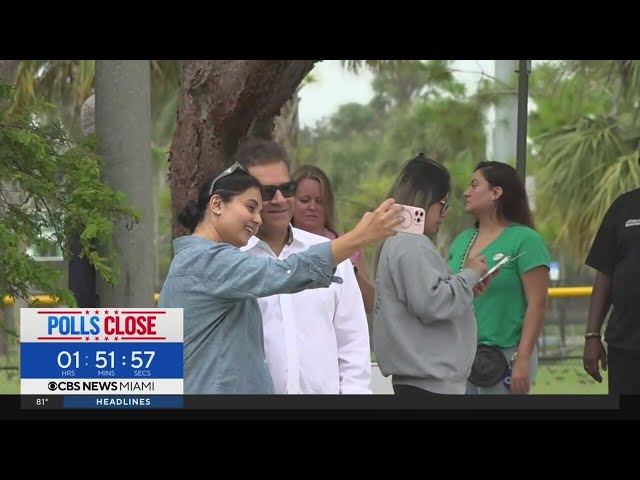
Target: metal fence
x=561, y=337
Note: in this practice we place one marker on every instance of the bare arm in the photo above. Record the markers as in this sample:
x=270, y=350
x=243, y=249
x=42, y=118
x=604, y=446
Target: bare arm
x=600, y=302
x=598, y=309
x=602, y=258
x=536, y=287
x=373, y=227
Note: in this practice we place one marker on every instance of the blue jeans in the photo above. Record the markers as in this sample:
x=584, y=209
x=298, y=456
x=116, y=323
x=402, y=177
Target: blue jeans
x=500, y=388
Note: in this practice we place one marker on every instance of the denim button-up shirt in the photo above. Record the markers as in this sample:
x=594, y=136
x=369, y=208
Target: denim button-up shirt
x=217, y=286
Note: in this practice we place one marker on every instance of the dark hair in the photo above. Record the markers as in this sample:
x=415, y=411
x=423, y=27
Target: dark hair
x=513, y=204
x=315, y=173
x=226, y=187
x=421, y=183
x=258, y=151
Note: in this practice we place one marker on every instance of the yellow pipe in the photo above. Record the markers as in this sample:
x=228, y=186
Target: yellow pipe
x=565, y=292
x=39, y=299
x=557, y=292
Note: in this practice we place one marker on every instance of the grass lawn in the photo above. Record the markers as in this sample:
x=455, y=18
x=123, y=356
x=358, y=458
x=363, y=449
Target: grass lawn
x=563, y=377
x=9, y=378
x=9, y=382
x=567, y=377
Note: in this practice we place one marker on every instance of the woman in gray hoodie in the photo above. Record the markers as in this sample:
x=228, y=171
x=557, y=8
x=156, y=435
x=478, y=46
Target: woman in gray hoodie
x=424, y=329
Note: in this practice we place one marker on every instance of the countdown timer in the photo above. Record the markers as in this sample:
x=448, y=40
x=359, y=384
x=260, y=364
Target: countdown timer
x=111, y=350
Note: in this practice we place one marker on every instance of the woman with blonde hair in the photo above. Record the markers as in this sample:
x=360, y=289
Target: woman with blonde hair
x=218, y=285
x=314, y=212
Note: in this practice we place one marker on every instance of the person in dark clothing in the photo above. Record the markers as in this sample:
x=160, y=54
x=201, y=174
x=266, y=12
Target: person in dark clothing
x=615, y=254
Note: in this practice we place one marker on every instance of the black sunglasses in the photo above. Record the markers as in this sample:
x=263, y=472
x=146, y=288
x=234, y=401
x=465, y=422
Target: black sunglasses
x=269, y=191
x=226, y=173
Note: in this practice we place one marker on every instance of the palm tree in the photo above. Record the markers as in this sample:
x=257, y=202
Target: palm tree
x=586, y=140
x=64, y=83
x=68, y=84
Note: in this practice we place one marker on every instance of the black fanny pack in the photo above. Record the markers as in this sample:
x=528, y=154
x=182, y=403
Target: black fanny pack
x=489, y=367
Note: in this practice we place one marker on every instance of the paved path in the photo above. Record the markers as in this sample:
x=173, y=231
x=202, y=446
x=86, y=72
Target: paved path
x=379, y=383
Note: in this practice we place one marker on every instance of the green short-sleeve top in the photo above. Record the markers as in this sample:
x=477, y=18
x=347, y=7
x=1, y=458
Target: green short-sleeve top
x=500, y=311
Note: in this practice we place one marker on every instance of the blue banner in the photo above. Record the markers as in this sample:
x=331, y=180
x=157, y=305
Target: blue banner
x=100, y=360
x=123, y=401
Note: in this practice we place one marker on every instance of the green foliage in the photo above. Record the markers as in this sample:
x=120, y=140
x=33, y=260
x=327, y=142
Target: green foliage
x=47, y=182
x=567, y=377
x=65, y=83
x=585, y=137
x=162, y=196
x=417, y=107
x=400, y=85
x=68, y=83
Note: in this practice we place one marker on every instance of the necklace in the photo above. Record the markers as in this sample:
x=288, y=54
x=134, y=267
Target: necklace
x=466, y=253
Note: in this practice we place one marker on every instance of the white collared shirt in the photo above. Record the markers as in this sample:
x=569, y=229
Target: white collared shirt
x=316, y=341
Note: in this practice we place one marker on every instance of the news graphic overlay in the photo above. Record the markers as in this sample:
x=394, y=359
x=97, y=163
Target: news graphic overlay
x=108, y=357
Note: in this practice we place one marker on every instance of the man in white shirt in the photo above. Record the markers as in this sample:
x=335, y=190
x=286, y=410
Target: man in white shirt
x=316, y=341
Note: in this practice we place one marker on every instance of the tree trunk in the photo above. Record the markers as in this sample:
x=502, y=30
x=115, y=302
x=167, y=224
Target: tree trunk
x=81, y=274
x=221, y=101
x=123, y=127
x=288, y=126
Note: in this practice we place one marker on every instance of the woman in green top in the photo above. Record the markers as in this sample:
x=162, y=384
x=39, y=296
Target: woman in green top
x=511, y=313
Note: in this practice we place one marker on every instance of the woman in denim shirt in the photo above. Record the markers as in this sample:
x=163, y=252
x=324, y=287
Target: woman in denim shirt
x=217, y=285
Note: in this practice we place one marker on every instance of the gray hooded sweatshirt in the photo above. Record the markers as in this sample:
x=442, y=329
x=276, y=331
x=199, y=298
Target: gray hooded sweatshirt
x=424, y=328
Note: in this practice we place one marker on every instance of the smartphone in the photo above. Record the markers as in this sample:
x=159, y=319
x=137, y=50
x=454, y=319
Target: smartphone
x=502, y=262
x=413, y=220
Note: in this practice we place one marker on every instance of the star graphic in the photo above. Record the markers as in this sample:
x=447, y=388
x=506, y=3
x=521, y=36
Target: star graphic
x=86, y=312
x=97, y=338
x=106, y=339
x=106, y=311
x=116, y=339
x=86, y=338
x=97, y=312
x=116, y=312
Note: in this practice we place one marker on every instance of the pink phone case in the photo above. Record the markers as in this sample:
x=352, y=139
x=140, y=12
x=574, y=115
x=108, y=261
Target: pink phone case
x=413, y=220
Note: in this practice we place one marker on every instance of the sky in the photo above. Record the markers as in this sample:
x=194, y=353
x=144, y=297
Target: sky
x=336, y=86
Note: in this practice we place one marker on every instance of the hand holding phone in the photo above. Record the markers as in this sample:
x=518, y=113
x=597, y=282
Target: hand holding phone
x=494, y=268
x=479, y=264
x=480, y=289
x=413, y=220
x=506, y=259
